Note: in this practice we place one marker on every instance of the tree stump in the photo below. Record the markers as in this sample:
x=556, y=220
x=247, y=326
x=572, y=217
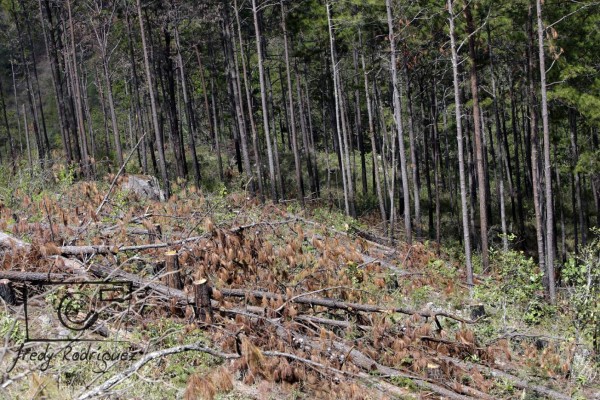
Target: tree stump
x=477, y=311
x=7, y=293
x=155, y=234
x=202, y=306
x=434, y=372
x=172, y=275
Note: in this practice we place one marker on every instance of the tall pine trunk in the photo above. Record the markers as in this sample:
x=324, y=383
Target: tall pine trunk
x=459, y=137
x=154, y=110
x=398, y=122
x=549, y=276
x=263, y=99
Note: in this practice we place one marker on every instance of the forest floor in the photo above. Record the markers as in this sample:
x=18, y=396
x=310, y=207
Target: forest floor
x=305, y=304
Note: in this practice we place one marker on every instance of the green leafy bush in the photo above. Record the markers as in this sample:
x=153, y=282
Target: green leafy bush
x=581, y=277
x=518, y=284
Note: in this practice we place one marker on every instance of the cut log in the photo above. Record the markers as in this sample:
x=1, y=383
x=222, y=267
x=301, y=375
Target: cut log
x=339, y=305
x=172, y=275
x=8, y=242
x=85, y=250
x=18, y=276
x=202, y=307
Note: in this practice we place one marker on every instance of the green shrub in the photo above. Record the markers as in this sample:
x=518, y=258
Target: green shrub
x=581, y=277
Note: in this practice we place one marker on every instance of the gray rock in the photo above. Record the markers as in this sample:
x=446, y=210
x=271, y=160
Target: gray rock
x=145, y=186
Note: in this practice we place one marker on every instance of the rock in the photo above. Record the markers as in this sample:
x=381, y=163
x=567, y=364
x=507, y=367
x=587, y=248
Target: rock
x=145, y=186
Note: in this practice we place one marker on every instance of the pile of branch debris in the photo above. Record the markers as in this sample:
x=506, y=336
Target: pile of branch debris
x=284, y=299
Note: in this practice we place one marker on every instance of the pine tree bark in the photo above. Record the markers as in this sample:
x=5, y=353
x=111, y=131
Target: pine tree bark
x=263, y=98
x=459, y=137
x=479, y=150
x=154, y=111
x=338, y=122
x=374, y=156
x=549, y=276
x=292, y=125
x=398, y=121
x=255, y=148
x=189, y=110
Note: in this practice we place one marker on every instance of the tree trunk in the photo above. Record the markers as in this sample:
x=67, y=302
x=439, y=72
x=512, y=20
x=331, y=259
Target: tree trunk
x=51, y=51
x=257, y=157
x=216, y=127
x=461, y=162
x=308, y=151
x=11, y=146
x=374, y=156
x=549, y=278
x=158, y=136
x=263, y=98
x=292, y=125
x=78, y=98
x=337, y=110
x=576, y=179
x=501, y=155
x=189, y=110
x=413, y=153
x=398, y=121
x=358, y=124
x=170, y=105
x=479, y=149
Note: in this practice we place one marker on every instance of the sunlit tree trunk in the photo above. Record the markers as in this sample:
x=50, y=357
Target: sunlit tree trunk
x=549, y=278
x=459, y=137
x=398, y=121
x=263, y=97
x=154, y=111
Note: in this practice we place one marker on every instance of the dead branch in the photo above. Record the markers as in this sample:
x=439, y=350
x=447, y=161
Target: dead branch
x=370, y=366
x=340, y=305
x=85, y=250
x=7, y=242
x=103, y=249
x=331, y=322
x=518, y=382
x=97, y=391
x=112, y=185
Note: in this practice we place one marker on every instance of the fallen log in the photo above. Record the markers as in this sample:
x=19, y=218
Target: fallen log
x=104, y=249
x=8, y=242
x=371, y=366
x=39, y=277
x=339, y=305
x=518, y=382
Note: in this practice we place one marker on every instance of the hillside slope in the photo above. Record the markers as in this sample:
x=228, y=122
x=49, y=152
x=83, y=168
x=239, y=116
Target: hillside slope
x=305, y=304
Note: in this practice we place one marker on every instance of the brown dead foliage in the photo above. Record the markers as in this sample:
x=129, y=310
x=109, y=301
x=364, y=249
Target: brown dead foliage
x=273, y=256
